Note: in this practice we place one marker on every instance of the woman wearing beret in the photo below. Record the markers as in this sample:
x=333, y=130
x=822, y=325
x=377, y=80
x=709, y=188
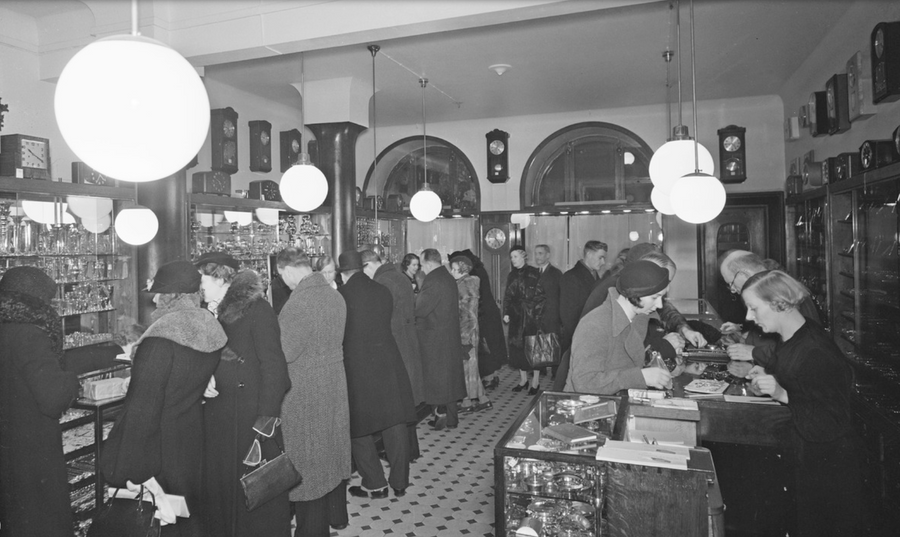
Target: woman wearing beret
x=34, y=392
x=250, y=383
x=608, y=345
x=160, y=431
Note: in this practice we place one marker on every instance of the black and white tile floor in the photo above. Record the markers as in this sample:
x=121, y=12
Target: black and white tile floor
x=451, y=491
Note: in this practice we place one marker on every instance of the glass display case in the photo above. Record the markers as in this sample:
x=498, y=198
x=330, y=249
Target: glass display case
x=809, y=215
x=387, y=230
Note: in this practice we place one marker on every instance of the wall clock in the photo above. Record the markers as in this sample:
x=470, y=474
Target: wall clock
x=495, y=238
x=264, y=190
x=818, y=113
x=847, y=166
x=498, y=156
x=836, y=99
x=876, y=153
x=859, y=87
x=25, y=157
x=223, y=135
x=896, y=138
x=885, y=48
x=732, y=154
x=829, y=166
x=290, y=148
x=791, y=128
x=812, y=173
x=215, y=182
x=803, y=116
x=83, y=174
x=260, y=146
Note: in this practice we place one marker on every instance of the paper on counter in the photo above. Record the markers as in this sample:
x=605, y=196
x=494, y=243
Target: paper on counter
x=751, y=399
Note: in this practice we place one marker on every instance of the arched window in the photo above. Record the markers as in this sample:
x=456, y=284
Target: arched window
x=587, y=164
x=401, y=168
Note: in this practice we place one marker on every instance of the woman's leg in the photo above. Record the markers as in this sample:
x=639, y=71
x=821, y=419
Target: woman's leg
x=536, y=378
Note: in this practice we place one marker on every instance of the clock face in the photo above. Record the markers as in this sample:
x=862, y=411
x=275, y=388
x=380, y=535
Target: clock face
x=731, y=144
x=825, y=174
x=879, y=43
x=295, y=146
x=866, y=155
x=264, y=137
x=829, y=95
x=34, y=154
x=228, y=128
x=497, y=147
x=218, y=184
x=230, y=152
x=495, y=238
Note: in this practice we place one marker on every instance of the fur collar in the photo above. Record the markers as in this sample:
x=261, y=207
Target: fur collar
x=26, y=309
x=246, y=287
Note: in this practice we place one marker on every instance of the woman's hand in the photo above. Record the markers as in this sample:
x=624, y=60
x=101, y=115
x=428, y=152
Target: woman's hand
x=696, y=338
x=766, y=384
x=676, y=340
x=210, y=391
x=506, y=319
x=658, y=378
x=740, y=351
x=731, y=328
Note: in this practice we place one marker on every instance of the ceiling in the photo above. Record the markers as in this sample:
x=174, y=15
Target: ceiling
x=600, y=59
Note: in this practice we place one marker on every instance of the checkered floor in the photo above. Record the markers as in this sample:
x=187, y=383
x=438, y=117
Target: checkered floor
x=451, y=491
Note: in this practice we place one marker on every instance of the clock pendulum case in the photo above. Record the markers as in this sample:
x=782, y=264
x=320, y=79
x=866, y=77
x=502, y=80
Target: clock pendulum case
x=837, y=104
x=260, y=146
x=732, y=154
x=25, y=157
x=498, y=156
x=290, y=148
x=223, y=134
x=885, y=46
x=818, y=113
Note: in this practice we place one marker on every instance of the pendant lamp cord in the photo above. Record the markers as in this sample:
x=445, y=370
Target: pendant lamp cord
x=302, y=102
x=134, y=18
x=678, y=48
x=694, y=91
x=424, y=82
x=374, y=50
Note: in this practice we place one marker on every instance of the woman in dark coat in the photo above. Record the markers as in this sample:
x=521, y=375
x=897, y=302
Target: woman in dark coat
x=34, y=392
x=160, y=430
x=251, y=381
x=523, y=309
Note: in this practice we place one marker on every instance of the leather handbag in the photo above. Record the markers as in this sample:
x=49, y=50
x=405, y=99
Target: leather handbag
x=270, y=478
x=125, y=517
x=542, y=350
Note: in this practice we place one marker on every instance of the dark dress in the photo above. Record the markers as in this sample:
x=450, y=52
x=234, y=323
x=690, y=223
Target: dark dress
x=34, y=392
x=820, y=441
x=437, y=325
x=251, y=379
x=524, y=303
x=160, y=430
x=550, y=281
x=574, y=288
x=492, y=351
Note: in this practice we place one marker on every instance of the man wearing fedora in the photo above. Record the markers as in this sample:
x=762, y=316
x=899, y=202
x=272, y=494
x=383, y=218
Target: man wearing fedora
x=379, y=392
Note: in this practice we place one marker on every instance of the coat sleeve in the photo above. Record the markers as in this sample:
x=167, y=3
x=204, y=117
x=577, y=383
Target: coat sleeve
x=511, y=296
x=427, y=300
x=291, y=347
x=133, y=451
x=594, y=366
x=274, y=379
x=52, y=388
x=673, y=320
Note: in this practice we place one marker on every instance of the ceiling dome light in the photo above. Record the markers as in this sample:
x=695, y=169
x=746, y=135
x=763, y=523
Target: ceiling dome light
x=89, y=208
x=136, y=225
x=676, y=159
x=698, y=198
x=42, y=212
x=425, y=205
x=303, y=187
x=661, y=198
x=97, y=226
x=241, y=218
x=267, y=216
x=132, y=108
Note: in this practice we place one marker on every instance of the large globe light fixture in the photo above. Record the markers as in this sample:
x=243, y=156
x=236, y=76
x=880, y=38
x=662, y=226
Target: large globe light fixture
x=661, y=198
x=136, y=225
x=303, y=187
x=425, y=206
x=698, y=198
x=131, y=107
x=675, y=159
x=97, y=226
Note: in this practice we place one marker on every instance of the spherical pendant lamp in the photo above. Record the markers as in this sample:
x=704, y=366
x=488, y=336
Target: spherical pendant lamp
x=425, y=206
x=523, y=220
x=267, y=216
x=89, y=208
x=303, y=187
x=132, y=108
x=136, y=224
x=241, y=218
x=676, y=159
x=661, y=197
x=698, y=198
x=97, y=226
x=43, y=212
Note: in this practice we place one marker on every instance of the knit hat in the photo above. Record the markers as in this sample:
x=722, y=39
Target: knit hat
x=29, y=281
x=350, y=260
x=219, y=258
x=640, y=250
x=176, y=277
x=642, y=278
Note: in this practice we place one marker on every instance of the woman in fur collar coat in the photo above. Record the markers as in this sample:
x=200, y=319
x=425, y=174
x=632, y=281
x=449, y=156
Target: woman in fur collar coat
x=34, y=392
x=160, y=430
x=251, y=381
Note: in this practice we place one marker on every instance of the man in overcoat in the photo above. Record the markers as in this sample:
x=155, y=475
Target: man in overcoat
x=403, y=326
x=437, y=324
x=378, y=387
x=550, y=278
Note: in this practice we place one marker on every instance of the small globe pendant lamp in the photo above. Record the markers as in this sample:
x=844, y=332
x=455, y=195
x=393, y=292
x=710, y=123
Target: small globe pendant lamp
x=131, y=107
x=697, y=197
x=425, y=205
x=136, y=224
x=303, y=187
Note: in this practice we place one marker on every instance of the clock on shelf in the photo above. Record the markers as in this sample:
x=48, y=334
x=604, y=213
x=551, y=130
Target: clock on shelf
x=498, y=156
x=495, y=238
x=836, y=98
x=791, y=128
x=812, y=173
x=85, y=175
x=885, y=48
x=25, y=157
x=732, y=154
x=290, y=148
x=817, y=107
x=223, y=135
x=847, y=166
x=215, y=182
x=264, y=190
x=859, y=87
x=829, y=170
x=260, y=146
x=876, y=153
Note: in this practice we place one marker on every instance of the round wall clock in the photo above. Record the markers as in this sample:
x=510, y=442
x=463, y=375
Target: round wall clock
x=731, y=144
x=497, y=147
x=495, y=238
x=228, y=128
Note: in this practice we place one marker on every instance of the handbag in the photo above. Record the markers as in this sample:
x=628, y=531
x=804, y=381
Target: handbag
x=270, y=478
x=542, y=350
x=125, y=517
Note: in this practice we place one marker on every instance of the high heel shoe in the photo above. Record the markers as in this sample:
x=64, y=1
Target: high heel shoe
x=533, y=391
x=520, y=387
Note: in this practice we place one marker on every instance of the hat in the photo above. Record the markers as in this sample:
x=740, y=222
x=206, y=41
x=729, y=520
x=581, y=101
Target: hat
x=29, y=281
x=640, y=250
x=219, y=258
x=176, y=277
x=350, y=260
x=642, y=278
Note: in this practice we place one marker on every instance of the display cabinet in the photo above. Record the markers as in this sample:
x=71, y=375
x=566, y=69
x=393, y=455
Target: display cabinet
x=809, y=249
x=386, y=229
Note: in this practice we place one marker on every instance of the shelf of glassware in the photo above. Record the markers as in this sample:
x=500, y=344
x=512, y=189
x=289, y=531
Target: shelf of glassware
x=812, y=252
x=844, y=262
x=388, y=230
